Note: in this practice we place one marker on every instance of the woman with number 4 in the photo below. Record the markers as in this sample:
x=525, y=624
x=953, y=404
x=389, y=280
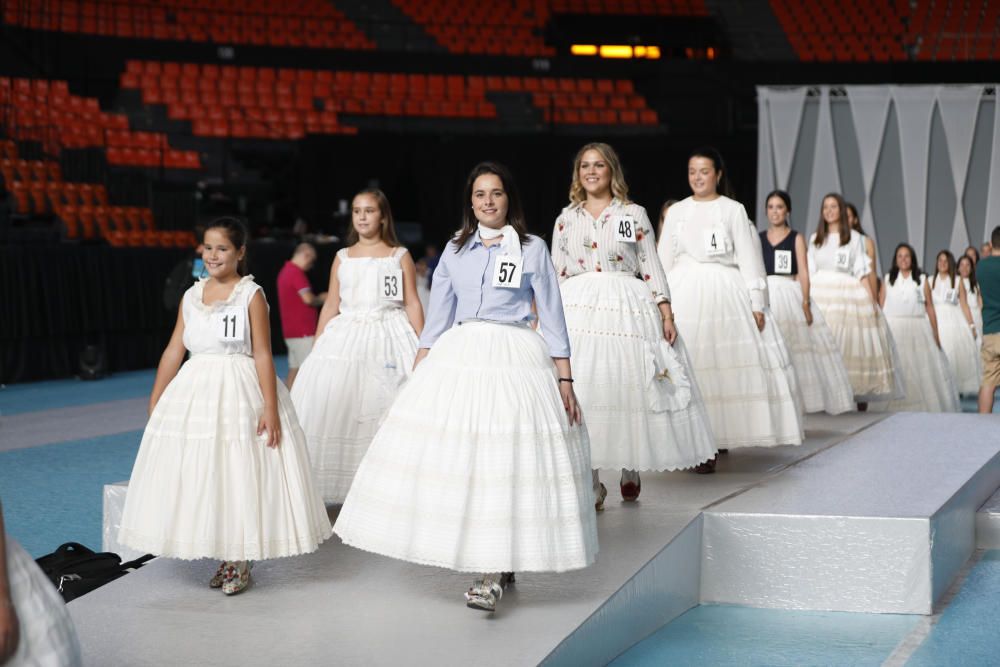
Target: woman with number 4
x=719, y=288
x=482, y=464
x=369, y=326
x=823, y=381
x=839, y=268
x=643, y=409
x=222, y=471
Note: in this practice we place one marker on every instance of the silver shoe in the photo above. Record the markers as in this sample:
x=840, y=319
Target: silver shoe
x=486, y=592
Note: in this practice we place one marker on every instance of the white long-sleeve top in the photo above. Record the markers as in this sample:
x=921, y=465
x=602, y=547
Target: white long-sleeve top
x=582, y=243
x=715, y=232
x=849, y=258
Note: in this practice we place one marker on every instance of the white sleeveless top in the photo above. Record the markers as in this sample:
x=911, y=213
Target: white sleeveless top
x=943, y=293
x=361, y=282
x=905, y=298
x=850, y=259
x=222, y=327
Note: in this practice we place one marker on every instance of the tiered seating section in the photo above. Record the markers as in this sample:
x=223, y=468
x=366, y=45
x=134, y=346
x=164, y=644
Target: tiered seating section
x=287, y=104
x=38, y=189
x=631, y=7
x=512, y=29
x=891, y=30
x=45, y=111
x=297, y=23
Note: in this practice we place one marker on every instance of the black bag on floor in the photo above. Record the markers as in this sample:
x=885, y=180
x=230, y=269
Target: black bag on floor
x=75, y=570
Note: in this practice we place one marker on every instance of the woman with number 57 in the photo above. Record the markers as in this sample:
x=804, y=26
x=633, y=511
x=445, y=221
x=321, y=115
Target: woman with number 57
x=713, y=262
x=633, y=377
x=366, y=346
x=482, y=464
x=222, y=471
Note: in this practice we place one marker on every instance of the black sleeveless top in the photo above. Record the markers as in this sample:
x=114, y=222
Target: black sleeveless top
x=768, y=250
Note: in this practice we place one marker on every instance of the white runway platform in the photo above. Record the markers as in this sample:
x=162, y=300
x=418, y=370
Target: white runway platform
x=816, y=527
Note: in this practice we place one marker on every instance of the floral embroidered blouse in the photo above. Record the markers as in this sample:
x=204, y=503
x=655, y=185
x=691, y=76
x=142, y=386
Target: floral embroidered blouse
x=581, y=244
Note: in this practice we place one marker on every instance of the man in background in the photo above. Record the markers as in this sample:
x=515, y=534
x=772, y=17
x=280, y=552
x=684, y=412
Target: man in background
x=297, y=305
x=988, y=275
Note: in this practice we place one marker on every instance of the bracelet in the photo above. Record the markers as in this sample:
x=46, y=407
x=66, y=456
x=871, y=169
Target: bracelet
x=668, y=319
x=570, y=380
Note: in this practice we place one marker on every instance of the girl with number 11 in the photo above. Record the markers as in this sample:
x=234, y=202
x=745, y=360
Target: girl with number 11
x=365, y=350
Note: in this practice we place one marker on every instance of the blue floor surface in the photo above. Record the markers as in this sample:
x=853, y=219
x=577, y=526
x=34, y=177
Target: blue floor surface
x=726, y=635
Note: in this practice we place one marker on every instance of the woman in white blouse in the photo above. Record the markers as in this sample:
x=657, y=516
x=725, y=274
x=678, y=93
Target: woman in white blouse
x=839, y=267
x=956, y=326
x=716, y=274
x=905, y=296
x=633, y=377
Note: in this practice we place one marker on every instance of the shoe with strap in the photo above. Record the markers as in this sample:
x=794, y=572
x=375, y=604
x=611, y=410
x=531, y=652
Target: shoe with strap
x=486, y=592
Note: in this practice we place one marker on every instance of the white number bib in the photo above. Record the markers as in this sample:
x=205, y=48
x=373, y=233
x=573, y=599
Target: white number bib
x=951, y=296
x=230, y=324
x=626, y=230
x=715, y=242
x=390, y=284
x=783, y=262
x=843, y=259
x=507, y=272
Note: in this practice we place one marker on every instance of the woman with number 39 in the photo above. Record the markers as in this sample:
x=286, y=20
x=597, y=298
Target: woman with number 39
x=365, y=350
x=643, y=408
x=222, y=471
x=481, y=464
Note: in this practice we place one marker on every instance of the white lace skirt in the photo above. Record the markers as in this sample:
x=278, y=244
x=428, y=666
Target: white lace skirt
x=823, y=381
x=746, y=382
x=205, y=485
x=929, y=386
x=642, y=406
x=48, y=638
x=861, y=333
x=475, y=467
x=344, y=388
x=960, y=347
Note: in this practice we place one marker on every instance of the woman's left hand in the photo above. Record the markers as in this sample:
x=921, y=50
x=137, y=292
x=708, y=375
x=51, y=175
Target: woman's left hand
x=569, y=402
x=669, y=331
x=270, y=422
x=759, y=319
x=808, y=313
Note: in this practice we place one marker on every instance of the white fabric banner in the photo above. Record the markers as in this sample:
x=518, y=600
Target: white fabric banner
x=914, y=109
x=959, y=107
x=993, y=194
x=825, y=173
x=765, y=163
x=786, y=119
x=869, y=110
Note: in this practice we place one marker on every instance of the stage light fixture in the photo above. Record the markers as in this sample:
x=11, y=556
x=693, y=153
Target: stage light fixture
x=620, y=51
x=616, y=51
x=583, y=49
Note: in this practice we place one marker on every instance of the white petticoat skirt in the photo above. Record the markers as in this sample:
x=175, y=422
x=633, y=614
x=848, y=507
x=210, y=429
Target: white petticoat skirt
x=824, y=385
x=861, y=333
x=475, y=467
x=344, y=388
x=47, y=635
x=746, y=381
x=960, y=347
x=929, y=386
x=640, y=401
x=205, y=485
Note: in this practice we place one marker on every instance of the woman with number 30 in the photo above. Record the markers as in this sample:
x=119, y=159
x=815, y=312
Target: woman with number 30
x=367, y=341
x=482, y=464
x=643, y=408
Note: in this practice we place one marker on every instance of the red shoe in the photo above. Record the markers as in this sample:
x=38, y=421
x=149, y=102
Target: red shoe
x=630, y=487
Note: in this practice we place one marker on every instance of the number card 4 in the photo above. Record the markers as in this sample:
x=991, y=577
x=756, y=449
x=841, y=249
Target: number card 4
x=715, y=242
x=507, y=272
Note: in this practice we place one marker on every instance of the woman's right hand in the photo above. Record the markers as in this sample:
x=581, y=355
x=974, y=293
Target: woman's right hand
x=421, y=354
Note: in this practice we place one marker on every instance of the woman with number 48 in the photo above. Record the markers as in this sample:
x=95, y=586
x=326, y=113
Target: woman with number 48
x=482, y=464
x=368, y=340
x=643, y=408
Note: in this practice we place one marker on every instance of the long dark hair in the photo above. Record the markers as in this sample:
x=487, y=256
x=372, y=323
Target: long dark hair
x=853, y=210
x=845, y=229
x=915, y=271
x=515, y=212
x=388, y=231
x=973, y=283
x=709, y=153
x=784, y=197
x=237, y=234
x=952, y=268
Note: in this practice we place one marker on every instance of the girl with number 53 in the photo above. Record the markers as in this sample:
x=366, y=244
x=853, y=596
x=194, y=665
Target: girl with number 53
x=222, y=471
x=369, y=327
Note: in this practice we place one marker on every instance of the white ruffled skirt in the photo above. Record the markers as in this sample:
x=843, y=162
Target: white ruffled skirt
x=862, y=334
x=475, y=467
x=47, y=635
x=344, y=388
x=960, y=347
x=929, y=386
x=205, y=485
x=746, y=380
x=641, y=403
x=824, y=385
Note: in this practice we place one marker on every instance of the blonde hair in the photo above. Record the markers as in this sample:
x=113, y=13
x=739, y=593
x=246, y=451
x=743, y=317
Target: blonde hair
x=618, y=187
